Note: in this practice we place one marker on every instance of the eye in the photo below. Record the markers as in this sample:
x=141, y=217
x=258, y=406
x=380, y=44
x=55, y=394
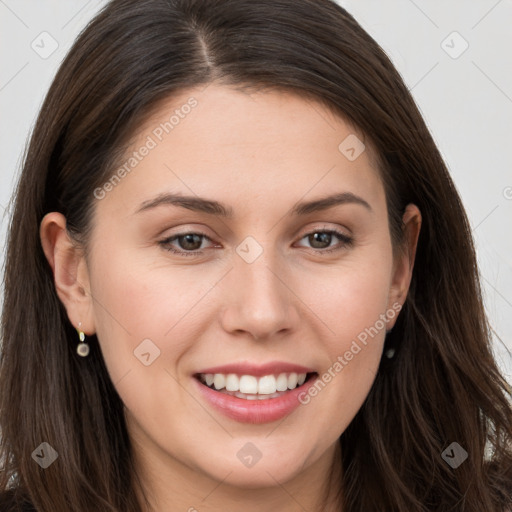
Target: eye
x=190, y=243
x=321, y=240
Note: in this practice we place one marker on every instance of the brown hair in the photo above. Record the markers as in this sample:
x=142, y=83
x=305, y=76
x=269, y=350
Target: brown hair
x=443, y=384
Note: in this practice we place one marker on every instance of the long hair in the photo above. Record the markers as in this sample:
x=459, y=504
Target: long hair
x=442, y=386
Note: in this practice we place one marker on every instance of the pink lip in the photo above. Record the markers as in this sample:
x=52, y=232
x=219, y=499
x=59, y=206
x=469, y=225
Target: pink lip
x=273, y=368
x=254, y=411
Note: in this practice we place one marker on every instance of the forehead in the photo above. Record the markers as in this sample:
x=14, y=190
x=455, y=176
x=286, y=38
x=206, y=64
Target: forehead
x=245, y=148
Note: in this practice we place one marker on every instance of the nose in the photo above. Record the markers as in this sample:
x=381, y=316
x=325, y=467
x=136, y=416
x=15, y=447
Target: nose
x=260, y=300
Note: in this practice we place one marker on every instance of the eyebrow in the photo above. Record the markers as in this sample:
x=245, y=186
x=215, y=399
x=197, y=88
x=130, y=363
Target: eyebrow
x=211, y=207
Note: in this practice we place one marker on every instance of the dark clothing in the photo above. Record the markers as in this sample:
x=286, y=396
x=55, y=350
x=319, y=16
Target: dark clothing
x=11, y=502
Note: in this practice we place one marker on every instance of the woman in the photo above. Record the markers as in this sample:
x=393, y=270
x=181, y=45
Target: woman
x=239, y=276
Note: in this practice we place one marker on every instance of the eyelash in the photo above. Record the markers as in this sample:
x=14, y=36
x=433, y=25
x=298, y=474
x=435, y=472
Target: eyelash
x=347, y=242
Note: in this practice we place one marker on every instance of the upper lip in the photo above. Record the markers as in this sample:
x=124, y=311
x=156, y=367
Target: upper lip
x=258, y=370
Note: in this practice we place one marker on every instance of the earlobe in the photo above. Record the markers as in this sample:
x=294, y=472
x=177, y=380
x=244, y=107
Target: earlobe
x=69, y=270
x=404, y=264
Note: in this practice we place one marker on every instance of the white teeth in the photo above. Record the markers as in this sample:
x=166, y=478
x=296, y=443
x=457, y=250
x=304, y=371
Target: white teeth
x=219, y=381
x=250, y=386
x=282, y=382
x=232, y=382
x=292, y=381
x=267, y=385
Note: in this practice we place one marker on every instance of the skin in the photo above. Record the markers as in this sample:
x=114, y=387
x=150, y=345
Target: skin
x=259, y=154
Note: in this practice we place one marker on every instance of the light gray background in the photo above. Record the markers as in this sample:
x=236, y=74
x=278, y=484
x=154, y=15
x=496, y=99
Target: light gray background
x=465, y=97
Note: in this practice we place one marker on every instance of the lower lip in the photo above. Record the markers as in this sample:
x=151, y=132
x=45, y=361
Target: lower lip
x=255, y=411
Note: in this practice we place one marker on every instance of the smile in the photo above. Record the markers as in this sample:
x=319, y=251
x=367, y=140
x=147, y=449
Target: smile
x=254, y=394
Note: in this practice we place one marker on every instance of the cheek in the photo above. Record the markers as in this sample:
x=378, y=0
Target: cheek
x=138, y=299
x=353, y=304
x=348, y=299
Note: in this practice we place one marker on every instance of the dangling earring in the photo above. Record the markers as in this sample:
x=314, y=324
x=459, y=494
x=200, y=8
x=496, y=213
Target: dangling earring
x=83, y=348
x=390, y=352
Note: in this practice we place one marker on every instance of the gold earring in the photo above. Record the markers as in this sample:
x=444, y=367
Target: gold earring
x=83, y=348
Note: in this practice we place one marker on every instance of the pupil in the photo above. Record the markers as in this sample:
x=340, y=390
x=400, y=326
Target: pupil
x=189, y=240
x=316, y=236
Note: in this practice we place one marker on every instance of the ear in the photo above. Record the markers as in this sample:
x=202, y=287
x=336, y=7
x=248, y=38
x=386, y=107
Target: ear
x=69, y=269
x=404, y=263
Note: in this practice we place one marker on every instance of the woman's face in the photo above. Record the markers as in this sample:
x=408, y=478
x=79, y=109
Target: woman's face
x=252, y=300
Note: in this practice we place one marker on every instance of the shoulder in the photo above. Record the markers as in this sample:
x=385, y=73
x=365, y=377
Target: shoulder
x=11, y=501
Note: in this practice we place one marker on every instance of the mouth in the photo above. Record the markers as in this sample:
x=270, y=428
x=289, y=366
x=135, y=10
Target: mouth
x=252, y=387
x=254, y=393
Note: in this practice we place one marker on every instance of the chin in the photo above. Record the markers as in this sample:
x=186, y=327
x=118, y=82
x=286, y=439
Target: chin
x=267, y=468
